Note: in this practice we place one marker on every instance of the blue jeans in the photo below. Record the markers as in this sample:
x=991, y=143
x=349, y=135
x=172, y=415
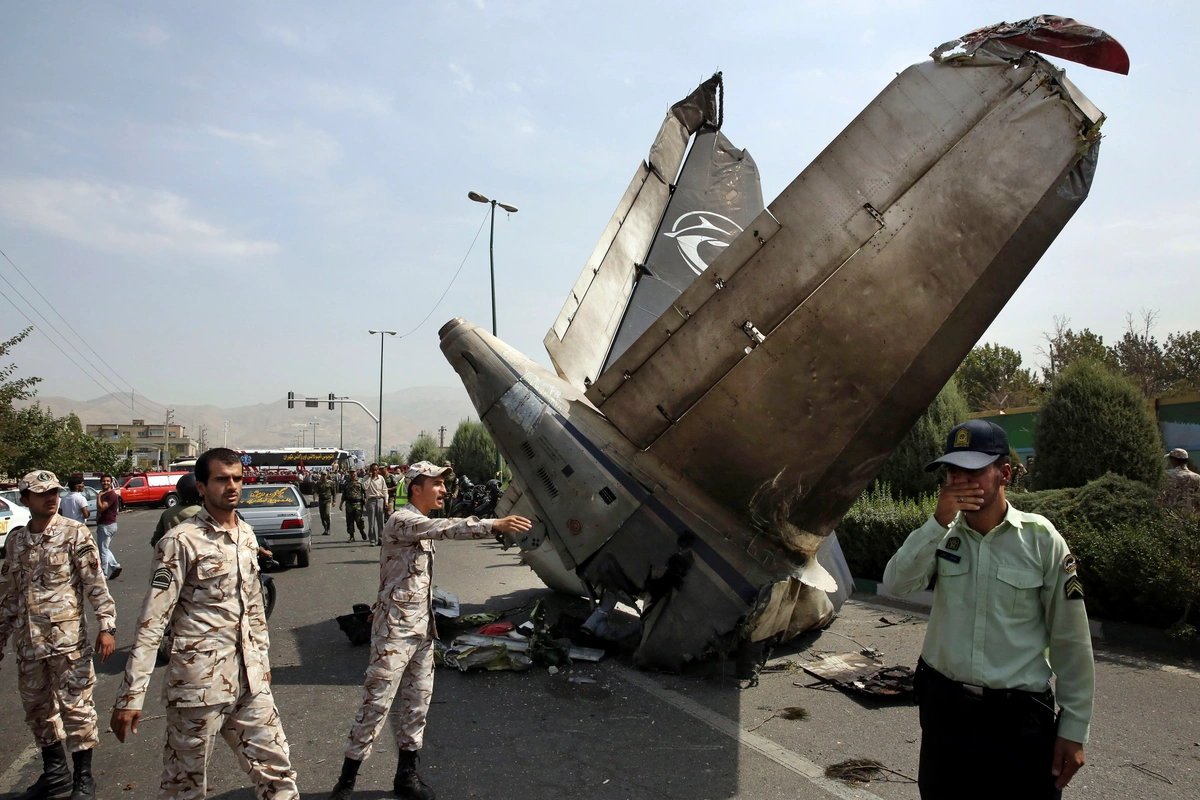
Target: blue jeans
x=104, y=535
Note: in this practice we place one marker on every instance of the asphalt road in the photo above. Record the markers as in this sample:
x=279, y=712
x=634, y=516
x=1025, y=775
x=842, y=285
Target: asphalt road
x=530, y=736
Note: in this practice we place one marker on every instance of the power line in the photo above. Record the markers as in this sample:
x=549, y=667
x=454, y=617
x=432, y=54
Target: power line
x=64, y=352
x=72, y=328
x=460, y=266
x=64, y=338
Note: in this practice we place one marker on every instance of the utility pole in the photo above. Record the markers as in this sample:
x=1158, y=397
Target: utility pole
x=442, y=437
x=165, y=453
x=315, y=425
x=226, y=434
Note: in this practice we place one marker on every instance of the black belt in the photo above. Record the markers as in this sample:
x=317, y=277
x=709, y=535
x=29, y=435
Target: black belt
x=933, y=681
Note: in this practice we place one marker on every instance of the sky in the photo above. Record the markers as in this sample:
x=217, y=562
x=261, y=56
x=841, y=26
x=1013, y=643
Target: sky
x=220, y=199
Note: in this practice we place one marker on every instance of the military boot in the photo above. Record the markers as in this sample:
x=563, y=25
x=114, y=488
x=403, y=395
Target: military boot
x=408, y=784
x=84, y=787
x=345, y=785
x=55, y=778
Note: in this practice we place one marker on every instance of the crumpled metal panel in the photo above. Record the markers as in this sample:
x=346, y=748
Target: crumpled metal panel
x=1046, y=33
x=838, y=382
x=584, y=329
x=824, y=220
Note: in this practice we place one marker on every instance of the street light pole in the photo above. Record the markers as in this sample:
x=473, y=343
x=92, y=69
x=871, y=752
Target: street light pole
x=315, y=425
x=379, y=422
x=478, y=198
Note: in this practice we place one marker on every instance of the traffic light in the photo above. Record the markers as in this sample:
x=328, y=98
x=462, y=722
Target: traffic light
x=331, y=399
x=291, y=399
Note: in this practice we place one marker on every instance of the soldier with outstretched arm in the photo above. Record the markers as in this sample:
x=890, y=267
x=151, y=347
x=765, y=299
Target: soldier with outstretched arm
x=1007, y=595
x=51, y=566
x=403, y=629
x=206, y=584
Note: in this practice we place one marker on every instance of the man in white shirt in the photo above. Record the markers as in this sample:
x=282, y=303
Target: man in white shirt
x=375, y=488
x=74, y=505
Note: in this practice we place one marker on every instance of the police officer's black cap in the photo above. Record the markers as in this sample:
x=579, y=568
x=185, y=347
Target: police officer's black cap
x=972, y=445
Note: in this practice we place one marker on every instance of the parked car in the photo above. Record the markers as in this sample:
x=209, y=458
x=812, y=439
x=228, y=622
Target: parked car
x=94, y=482
x=150, y=488
x=279, y=517
x=12, y=515
x=90, y=495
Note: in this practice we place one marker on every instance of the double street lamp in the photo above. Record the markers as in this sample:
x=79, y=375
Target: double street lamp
x=379, y=422
x=478, y=198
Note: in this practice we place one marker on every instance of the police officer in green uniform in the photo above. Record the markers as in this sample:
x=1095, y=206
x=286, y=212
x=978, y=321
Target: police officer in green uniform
x=1007, y=594
x=353, y=499
x=324, y=490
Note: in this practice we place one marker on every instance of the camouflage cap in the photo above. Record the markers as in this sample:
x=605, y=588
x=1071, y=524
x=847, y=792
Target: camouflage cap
x=1179, y=453
x=424, y=468
x=38, y=481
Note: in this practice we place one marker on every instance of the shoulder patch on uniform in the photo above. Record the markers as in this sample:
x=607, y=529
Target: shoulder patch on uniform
x=953, y=543
x=1069, y=563
x=1073, y=589
x=162, y=578
x=83, y=551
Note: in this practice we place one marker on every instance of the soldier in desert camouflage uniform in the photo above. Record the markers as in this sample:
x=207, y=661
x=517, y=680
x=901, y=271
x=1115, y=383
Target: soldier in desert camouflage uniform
x=324, y=490
x=403, y=630
x=206, y=584
x=1183, y=485
x=353, y=498
x=52, y=565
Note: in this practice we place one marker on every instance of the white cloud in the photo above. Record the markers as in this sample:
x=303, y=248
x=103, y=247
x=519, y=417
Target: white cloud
x=334, y=98
x=150, y=36
x=303, y=151
x=462, y=78
x=304, y=41
x=513, y=86
x=123, y=219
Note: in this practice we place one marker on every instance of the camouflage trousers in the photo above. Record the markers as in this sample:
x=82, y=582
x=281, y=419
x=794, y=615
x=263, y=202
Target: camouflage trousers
x=354, y=515
x=252, y=730
x=404, y=664
x=325, y=512
x=57, y=694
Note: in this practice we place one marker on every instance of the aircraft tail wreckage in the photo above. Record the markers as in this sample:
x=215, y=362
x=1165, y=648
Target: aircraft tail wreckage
x=731, y=377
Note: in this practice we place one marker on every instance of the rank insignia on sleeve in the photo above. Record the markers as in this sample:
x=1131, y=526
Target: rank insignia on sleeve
x=1073, y=589
x=162, y=578
x=83, y=551
x=1069, y=563
x=953, y=543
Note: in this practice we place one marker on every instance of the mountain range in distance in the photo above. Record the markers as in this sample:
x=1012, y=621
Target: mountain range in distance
x=406, y=413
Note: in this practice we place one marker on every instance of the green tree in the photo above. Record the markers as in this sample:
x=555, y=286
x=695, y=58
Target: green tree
x=1065, y=347
x=1182, y=353
x=1093, y=422
x=425, y=448
x=44, y=441
x=1141, y=358
x=472, y=452
x=991, y=377
x=904, y=471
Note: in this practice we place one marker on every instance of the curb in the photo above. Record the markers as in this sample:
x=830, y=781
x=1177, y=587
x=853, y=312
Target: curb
x=1103, y=630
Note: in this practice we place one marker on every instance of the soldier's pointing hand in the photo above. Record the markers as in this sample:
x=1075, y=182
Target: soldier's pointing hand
x=512, y=524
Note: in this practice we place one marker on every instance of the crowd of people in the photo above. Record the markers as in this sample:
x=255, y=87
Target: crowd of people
x=205, y=585
x=1007, y=617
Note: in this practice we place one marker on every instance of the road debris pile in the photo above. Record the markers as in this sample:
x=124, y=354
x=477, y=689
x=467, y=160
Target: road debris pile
x=859, y=674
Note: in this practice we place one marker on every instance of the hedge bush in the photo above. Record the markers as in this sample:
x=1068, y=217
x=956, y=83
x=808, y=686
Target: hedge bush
x=1137, y=562
x=1093, y=422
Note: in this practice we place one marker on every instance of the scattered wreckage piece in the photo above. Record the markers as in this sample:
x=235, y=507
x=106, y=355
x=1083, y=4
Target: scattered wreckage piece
x=493, y=656
x=698, y=460
x=854, y=672
x=522, y=646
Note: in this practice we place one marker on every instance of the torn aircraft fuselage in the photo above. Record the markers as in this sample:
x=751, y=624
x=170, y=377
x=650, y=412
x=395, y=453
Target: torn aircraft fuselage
x=720, y=403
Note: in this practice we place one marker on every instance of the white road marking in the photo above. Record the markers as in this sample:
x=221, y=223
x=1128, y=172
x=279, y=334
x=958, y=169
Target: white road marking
x=8, y=781
x=760, y=744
